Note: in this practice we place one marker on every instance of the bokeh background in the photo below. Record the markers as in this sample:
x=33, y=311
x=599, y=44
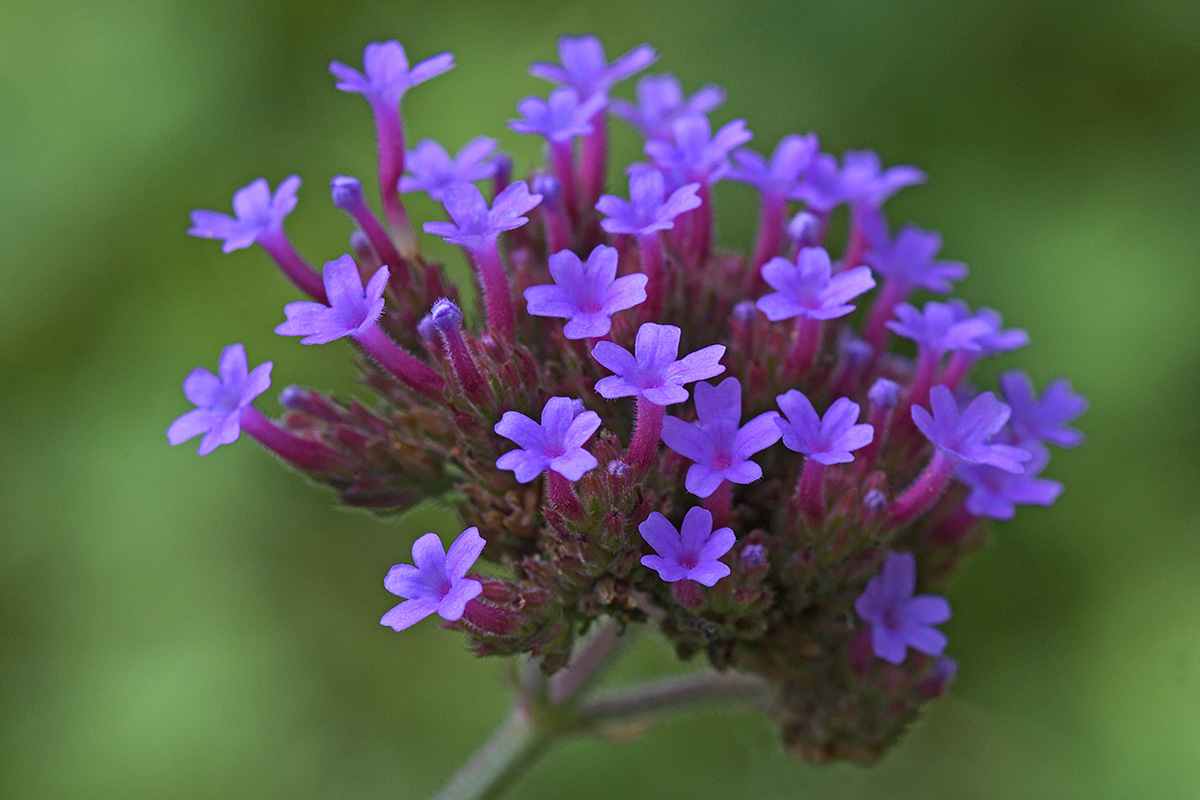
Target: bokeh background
x=176, y=627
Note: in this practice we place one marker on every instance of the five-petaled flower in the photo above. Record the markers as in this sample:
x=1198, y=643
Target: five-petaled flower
x=563, y=117
x=720, y=448
x=585, y=66
x=826, y=440
x=995, y=493
x=351, y=311
x=1044, y=418
x=655, y=373
x=476, y=225
x=660, y=101
x=691, y=553
x=808, y=287
x=258, y=214
x=965, y=436
x=586, y=294
x=648, y=209
x=437, y=582
x=219, y=400
x=898, y=619
x=386, y=75
x=430, y=168
x=556, y=444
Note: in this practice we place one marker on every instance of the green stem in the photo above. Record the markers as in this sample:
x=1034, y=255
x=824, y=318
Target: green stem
x=533, y=726
x=512, y=749
x=671, y=694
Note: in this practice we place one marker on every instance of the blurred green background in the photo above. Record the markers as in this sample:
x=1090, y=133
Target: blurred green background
x=176, y=627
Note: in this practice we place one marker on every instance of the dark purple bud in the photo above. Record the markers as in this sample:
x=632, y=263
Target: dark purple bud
x=745, y=311
x=292, y=397
x=428, y=332
x=805, y=229
x=548, y=186
x=346, y=191
x=884, y=393
x=875, y=501
x=857, y=353
x=361, y=246
x=445, y=316
x=754, y=556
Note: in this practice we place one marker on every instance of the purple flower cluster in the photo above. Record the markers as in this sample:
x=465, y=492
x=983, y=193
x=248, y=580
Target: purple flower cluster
x=775, y=521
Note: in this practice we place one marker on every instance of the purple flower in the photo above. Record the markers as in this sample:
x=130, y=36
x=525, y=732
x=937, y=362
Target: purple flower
x=826, y=440
x=561, y=119
x=690, y=555
x=431, y=170
x=475, y=225
x=940, y=327
x=586, y=294
x=660, y=102
x=219, y=400
x=647, y=211
x=655, y=373
x=908, y=260
x=438, y=582
x=258, y=213
x=791, y=158
x=556, y=444
x=386, y=75
x=864, y=180
x=964, y=436
x=1043, y=419
x=585, y=66
x=695, y=152
x=808, y=288
x=995, y=493
x=899, y=620
x=859, y=181
x=719, y=447
x=994, y=340
x=351, y=309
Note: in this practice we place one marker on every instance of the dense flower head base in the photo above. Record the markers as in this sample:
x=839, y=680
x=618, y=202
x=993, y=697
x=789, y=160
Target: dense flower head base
x=643, y=426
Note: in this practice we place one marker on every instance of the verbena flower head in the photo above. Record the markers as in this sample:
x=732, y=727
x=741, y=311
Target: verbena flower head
x=436, y=581
x=909, y=260
x=257, y=213
x=351, y=310
x=717, y=442
x=653, y=370
x=1045, y=418
x=563, y=117
x=660, y=101
x=556, y=444
x=473, y=401
x=219, y=400
x=898, y=618
x=965, y=436
x=586, y=294
x=475, y=223
x=585, y=66
x=830, y=439
x=690, y=553
x=433, y=171
x=386, y=75
x=808, y=287
x=649, y=209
